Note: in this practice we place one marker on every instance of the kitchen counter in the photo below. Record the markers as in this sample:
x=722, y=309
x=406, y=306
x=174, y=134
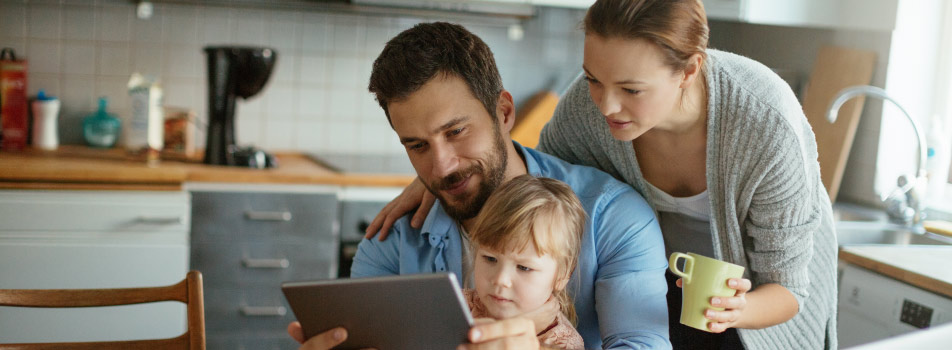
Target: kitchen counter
x=79, y=167
x=923, y=266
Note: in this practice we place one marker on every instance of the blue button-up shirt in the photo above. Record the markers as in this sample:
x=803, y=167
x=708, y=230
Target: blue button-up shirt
x=618, y=287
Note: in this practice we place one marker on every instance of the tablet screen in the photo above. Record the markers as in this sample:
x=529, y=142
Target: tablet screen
x=425, y=311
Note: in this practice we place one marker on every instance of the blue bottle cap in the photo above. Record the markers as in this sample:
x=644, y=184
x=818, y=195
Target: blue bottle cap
x=41, y=96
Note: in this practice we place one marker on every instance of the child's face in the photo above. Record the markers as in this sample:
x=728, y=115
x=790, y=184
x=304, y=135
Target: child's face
x=515, y=283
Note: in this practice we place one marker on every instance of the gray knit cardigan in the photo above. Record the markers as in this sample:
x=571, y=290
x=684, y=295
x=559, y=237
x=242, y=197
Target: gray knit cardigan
x=769, y=210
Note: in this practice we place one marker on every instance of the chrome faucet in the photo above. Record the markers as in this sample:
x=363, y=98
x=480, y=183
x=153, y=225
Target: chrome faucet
x=909, y=210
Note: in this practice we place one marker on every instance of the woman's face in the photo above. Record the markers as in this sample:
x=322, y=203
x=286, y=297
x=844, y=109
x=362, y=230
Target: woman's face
x=630, y=84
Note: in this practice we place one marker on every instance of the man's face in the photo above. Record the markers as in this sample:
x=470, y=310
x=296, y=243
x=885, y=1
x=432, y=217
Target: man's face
x=456, y=148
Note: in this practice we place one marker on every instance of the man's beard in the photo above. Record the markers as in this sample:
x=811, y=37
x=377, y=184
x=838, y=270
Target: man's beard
x=491, y=179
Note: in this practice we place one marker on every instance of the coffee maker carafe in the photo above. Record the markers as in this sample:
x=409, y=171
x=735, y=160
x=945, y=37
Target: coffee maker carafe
x=234, y=72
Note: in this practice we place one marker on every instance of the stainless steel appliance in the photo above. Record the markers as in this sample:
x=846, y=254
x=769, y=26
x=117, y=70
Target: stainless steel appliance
x=359, y=205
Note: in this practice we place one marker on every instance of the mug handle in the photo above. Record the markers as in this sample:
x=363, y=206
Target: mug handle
x=688, y=266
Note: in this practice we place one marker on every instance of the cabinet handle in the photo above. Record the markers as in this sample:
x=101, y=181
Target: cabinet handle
x=263, y=311
x=268, y=215
x=265, y=263
x=160, y=220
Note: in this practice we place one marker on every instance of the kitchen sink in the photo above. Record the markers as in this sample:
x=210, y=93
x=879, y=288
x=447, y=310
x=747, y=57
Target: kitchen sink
x=863, y=225
x=847, y=233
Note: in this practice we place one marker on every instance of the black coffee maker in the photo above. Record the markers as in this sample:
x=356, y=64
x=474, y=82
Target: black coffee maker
x=234, y=71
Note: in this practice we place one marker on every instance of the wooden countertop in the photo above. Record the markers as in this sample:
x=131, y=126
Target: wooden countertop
x=79, y=167
x=924, y=266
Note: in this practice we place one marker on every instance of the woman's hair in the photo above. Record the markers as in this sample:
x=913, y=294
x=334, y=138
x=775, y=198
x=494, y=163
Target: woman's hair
x=419, y=54
x=537, y=210
x=678, y=27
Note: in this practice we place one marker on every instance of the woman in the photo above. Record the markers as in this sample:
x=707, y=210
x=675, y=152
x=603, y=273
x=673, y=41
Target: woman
x=719, y=146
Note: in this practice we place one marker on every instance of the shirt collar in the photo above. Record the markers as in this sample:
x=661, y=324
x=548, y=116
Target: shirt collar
x=528, y=156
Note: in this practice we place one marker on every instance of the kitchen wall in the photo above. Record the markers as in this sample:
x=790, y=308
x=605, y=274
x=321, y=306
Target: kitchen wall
x=794, y=49
x=316, y=100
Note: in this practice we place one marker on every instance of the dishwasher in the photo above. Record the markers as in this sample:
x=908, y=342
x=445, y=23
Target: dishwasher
x=874, y=307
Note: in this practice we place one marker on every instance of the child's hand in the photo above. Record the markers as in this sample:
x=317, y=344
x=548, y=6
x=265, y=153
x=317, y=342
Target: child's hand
x=733, y=306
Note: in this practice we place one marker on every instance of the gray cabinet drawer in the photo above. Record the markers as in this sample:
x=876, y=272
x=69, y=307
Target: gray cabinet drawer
x=254, y=216
x=265, y=263
x=253, y=341
x=246, y=309
x=246, y=244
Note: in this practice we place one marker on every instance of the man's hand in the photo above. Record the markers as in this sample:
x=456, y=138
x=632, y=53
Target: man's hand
x=513, y=333
x=323, y=341
x=414, y=196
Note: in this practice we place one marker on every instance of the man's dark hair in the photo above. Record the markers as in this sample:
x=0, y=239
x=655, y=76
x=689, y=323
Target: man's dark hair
x=418, y=54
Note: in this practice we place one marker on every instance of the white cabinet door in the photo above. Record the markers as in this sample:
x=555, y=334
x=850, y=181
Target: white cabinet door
x=110, y=246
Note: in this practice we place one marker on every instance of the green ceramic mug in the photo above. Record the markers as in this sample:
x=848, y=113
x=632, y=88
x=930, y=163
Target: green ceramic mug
x=702, y=279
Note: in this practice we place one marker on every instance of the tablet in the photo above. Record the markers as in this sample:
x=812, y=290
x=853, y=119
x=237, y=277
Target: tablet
x=425, y=311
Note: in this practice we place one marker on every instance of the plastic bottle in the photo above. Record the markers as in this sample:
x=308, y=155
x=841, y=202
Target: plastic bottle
x=145, y=129
x=937, y=158
x=45, y=114
x=101, y=129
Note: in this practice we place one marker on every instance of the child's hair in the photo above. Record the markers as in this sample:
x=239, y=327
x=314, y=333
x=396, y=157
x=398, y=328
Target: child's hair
x=540, y=210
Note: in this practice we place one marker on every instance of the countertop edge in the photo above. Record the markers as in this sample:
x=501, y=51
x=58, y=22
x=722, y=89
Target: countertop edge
x=911, y=277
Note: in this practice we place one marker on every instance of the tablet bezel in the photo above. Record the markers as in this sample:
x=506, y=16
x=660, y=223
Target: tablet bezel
x=422, y=311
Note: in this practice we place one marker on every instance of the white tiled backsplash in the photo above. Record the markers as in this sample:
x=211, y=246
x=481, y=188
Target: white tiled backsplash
x=317, y=98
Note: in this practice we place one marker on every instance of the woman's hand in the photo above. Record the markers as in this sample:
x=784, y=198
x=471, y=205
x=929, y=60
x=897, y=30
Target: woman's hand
x=734, y=307
x=414, y=196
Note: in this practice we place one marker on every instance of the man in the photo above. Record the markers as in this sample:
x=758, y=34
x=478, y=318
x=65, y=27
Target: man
x=440, y=89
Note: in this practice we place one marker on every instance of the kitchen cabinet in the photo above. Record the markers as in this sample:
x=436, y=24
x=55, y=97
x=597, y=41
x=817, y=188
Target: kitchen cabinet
x=247, y=240
x=878, y=15
x=92, y=239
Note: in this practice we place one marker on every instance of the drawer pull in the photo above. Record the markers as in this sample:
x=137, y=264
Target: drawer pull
x=264, y=311
x=268, y=215
x=161, y=220
x=265, y=263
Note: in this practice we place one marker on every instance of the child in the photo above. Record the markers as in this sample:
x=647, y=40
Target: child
x=525, y=242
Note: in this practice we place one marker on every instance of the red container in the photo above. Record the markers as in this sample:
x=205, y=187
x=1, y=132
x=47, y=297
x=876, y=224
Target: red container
x=13, y=112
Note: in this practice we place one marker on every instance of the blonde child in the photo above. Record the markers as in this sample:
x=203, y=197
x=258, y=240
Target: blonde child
x=525, y=243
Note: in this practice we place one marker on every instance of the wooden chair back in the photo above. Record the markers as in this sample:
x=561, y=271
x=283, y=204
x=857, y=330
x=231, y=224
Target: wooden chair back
x=188, y=291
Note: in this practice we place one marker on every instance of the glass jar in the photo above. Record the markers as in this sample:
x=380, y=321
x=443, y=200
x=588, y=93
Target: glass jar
x=101, y=129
